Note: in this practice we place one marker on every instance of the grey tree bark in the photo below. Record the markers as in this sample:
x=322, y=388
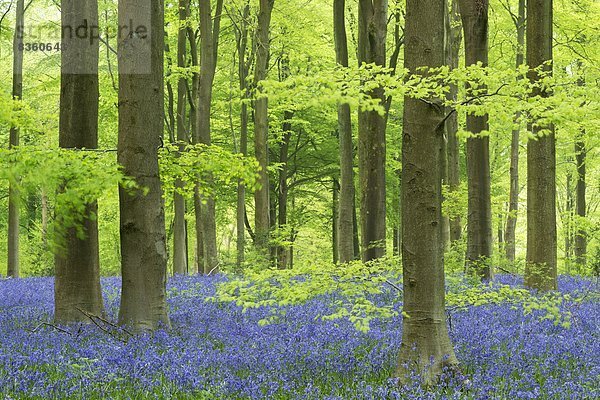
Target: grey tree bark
x=77, y=264
x=581, y=236
x=244, y=63
x=283, y=187
x=513, y=207
x=335, y=216
x=192, y=99
x=425, y=345
x=580, y=247
x=345, y=223
x=540, y=271
x=262, y=220
x=452, y=52
x=210, y=29
x=372, y=34
x=13, y=268
x=180, y=251
x=568, y=221
x=474, y=15
x=141, y=123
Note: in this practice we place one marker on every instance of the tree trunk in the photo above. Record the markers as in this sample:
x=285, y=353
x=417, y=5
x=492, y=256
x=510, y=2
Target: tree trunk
x=192, y=100
x=209, y=44
x=345, y=227
x=425, y=345
x=513, y=207
x=372, y=31
x=141, y=123
x=355, y=239
x=180, y=253
x=273, y=200
x=77, y=265
x=580, y=200
x=261, y=130
x=474, y=15
x=540, y=271
x=282, y=251
x=243, y=68
x=335, y=240
x=452, y=51
x=568, y=223
x=199, y=232
x=500, y=232
x=13, y=192
x=581, y=207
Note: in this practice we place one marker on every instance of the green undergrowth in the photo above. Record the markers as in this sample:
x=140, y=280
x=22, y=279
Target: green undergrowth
x=355, y=288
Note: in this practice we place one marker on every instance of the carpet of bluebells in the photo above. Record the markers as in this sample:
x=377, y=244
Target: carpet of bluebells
x=215, y=351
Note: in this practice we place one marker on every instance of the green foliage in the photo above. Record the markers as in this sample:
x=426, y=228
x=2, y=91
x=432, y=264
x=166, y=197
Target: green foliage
x=455, y=201
x=352, y=285
x=208, y=167
x=352, y=288
x=76, y=177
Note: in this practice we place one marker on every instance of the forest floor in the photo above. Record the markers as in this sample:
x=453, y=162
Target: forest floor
x=216, y=351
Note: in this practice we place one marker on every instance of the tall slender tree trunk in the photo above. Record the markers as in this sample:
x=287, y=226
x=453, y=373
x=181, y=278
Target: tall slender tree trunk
x=568, y=222
x=426, y=345
x=273, y=200
x=209, y=43
x=372, y=34
x=474, y=15
x=580, y=205
x=500, y=232
x=13, y=192
x=199, y=232
x=356, y=238
x=77, y=265
x=335, y=217
x=452, y=52
x=180, y=251
x=283, y=250
x=141, y=123
x=261, y=129
x=580, y=193
x=513, y=205
x=243, y=68
x=540, y=271
x=345, y=223
x=192, y=100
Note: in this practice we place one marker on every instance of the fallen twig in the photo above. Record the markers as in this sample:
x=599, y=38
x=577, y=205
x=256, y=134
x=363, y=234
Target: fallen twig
x=95, y=318
x=37, y=328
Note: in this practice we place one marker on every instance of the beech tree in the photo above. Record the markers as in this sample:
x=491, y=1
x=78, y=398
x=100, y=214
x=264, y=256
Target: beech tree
x=17, y=93
x=262, y=219
x=180, y=251
x=425, y=345
x=474, y=15
x=345, y=213
x=209, y=44
x=77, y=263
x=454, y=39
x=581, y=238
x=244, y=62
x=372, y=35
x=541, y=271
x=513, y=208
x=142, y=218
